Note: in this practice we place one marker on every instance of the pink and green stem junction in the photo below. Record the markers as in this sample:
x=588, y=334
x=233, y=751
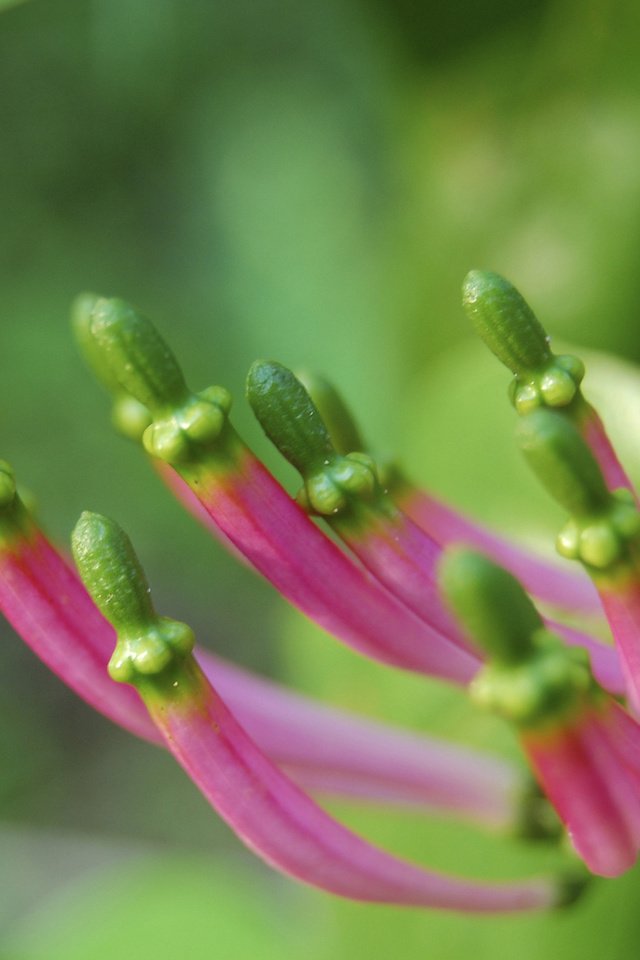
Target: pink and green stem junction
x=511, y=330
x=265, y=809
x=603, y=531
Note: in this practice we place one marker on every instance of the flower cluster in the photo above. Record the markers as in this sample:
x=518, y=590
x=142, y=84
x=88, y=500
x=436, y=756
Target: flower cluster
x=416, y=586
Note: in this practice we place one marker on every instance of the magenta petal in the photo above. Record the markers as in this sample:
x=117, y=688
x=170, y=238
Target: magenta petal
x=547, y=581
x=622, y=607
x=277, y=537
x=590, y=789
x=45, y=603
x=404, y=557
x=598, y=441
x=288, y=830
x=339, y=753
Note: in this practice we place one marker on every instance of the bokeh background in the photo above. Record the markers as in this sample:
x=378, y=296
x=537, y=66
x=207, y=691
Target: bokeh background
x=309, y=182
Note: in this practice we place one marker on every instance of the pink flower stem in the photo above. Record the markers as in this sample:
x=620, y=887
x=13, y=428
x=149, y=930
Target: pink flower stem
x=596, y=437
x=283, y=544
x=621, y=603
x=403, y=558
x=547, y=581
x=291, y=832
x=592, y=792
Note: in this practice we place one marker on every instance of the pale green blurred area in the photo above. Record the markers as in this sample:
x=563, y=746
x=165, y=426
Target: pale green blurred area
x=308, y=182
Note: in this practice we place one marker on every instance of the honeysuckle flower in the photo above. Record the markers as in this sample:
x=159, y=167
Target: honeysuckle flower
x=241, y=738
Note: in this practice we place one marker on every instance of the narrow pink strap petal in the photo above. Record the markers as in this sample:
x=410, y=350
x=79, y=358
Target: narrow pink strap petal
x=44, y=602
x=277, y=537
x=622, y=607
x=594, y=433
x=569, y=766
x=292, y=833
x=547, y=581
x=404, y=557
x=337, y=752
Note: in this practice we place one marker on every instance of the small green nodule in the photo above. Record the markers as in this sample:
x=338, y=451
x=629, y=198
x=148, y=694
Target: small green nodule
x=148, y=645
x=531, y=679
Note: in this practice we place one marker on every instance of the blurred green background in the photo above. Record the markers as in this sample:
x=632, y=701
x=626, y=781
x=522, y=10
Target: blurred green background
x=308, y=182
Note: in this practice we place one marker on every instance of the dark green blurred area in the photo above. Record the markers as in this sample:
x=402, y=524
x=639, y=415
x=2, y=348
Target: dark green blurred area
x=308, y=182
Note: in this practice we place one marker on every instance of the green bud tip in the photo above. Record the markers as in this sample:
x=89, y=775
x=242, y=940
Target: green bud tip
x=288, y=416
x=131, y=348
x=572, y=885
x=111, y=572
x=331, y=406
x=293, y=423
x=490, y=603
x=129, y=416
x=145, y=367
x=560, y=457
x=505, y=322
x=148, y=645
x=531, y=679
x=603, y=524
x=7, y=485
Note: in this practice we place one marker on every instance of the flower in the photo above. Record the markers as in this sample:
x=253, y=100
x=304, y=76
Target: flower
x=396, y=593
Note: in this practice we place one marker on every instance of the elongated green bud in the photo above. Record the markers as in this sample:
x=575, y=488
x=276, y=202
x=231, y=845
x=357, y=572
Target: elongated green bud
x=603, y=525
x=531, y=679
x=288, y=416
x=505, y=321
x=340, y=424
x=494, y=609
x=129, y=416
x=15, y=517
x=508, y=326
x=558, y=455
x=293, y=423
x=81, y=314
x=111, y=572
x=148, y=645
x=137, y=356
x=185, y=425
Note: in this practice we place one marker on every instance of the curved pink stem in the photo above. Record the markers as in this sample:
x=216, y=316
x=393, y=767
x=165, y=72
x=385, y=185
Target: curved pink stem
x=280, y=541
x=547, y=581
x=622, y=607
x=592, y=792
x=293, y=834
x=594, y=433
